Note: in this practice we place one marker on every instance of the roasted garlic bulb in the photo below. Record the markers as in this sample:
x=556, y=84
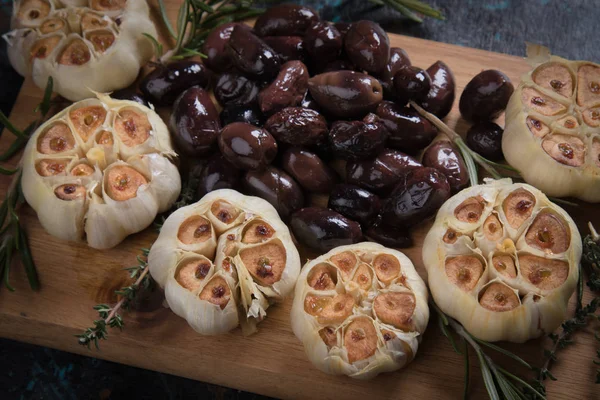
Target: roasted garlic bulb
x=95, y=45
x=99, y=171
x=223, y=260
x=360, y=310
x=503, y=260
x=552, y=133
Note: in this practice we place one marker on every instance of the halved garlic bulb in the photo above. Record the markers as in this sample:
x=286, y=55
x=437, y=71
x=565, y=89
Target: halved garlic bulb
x=223, y=260
x=86, y=46
x=552, y=133
x=511, y=266
x=88, y=181
x=360, y=310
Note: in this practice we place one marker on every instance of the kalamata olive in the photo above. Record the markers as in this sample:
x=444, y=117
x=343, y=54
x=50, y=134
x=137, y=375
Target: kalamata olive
x=251, y=55
x=323, y=42
x=444, y=157
x=308, y=170
x=297, y=126
x=162, y=86
x=367, y=46
x=287, y=90
x=309, y=102
x=485, y=97
x=341, y=64
x=408, y=131
x=485, y=138
x=288, y=47
x=215, y=47
x=248, y=114
x=441, y=96
x=218, y=173
x=235, y=89
x=355, y=203
x=131, y=95
x=411, y=83
x=389, y=235
x=381, y=174
x=357, y=140
x=417, y=197
x=194, y=122
x=342, y=27
x=322, y=229
x=276, y=187
x=398, y=59
x=247, y=146
x=345, y=94
x=285, y=20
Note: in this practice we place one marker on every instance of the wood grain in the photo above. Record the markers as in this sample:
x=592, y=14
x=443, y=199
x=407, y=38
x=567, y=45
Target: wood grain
x=272, y=362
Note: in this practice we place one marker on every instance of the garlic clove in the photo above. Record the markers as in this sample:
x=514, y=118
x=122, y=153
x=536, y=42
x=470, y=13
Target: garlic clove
x=52, y=166
x=498, y=297
x=265, y=262
x=86, y=120
x=588, y=88
x=329, y=309
x=518, y=207
x=132, y=127
x=395, y=309
x=545, y=274
x=470, y=210
x=323, y=277
x=540, y=103
x=360, y=339
x=565, y=149
x=32, y=12
x=363, y=277
x=387, y=268
x=257, y=231
x=56, y=139
x=464, y=271
x=329, y=336
x=346, y=263
x=537, y=128
x=555, y=77
x=505, y=265
x=52, y=25
x=548, y=233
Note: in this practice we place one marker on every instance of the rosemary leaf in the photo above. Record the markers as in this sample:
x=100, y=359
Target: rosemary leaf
x=7, y=260
x=488, y=379
x=158, y=49
x=8, y=171
x=44, y=106
x=402, y=9
x=520, y=381
x=14, y=148
x=505, y=352
x=11, y=128
x=165, y=18
x=27, y=261
x=446, y=333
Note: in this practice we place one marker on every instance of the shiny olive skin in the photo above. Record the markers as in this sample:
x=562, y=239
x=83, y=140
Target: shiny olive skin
x=194, y=122
x=441, y=96
x=485, y=97
x=355, y=203
x=309, y=102
x=389, y=235
x=357, y=140
x=276, y=187
x=341, y=64
x=252, y=56
x=308, y=170
x=322, y=229
x=382, y=173
x=215, y=47
x=417, y=197
x=288, y=47
x=411, y=83
x=323, y=42
x=345, y=94
x=485, y=138
x=131, y=95
x=287, y=90
x=367, y=46
x=248, y=114
x=408, y=130
x=444, y=157
x=297, y=126
x=398, y=59
x=285, y=20
x=247, y=146
x=218, y=173
x=235, y=89
x=163, y=85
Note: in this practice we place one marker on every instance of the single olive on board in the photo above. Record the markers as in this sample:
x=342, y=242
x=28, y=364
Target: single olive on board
x=485, y=138
x=441, y=96
x=194, y=122
x=218, y=173
x=408, y=130
x=247, y=146
x=309, y=170
x=287, y=90
x=276, y=187
x=251, y=55
x=288, y=47
x=235, y=89
x=165, y=83
x=411, y=83
x=485, y=97
x=297, y=126
x=389, y=235
x=322, y=229
x=285, y=20
x=398, y=59
x=355, y=203
x=444, y=157
x=248, y=114
x=130, y=94
x=357, y=140
x=215, y=47
x=367, y=46
x=323, y=42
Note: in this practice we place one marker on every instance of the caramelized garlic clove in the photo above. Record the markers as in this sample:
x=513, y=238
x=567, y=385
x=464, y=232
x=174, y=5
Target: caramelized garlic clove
x=43, y=47
x=537, y=101
x=543, y=273
x=537, y=127
x=191, y=273
x=265, y=262
x=217, y=292
x=588, y=88
x=498, y=297
x=387, y=268
x=257, y=231
x=86, y=120
x=360, y=339
x=51, y=166
x=548, y=233
x=195, y=229
x=52, y=25
x=70, y=192
x=75, y=53
x=122, y=182
x=322, y=277
x=56, y=139
x=518, y=207
x=395, y=309
x=101, y=40
x=107, y=5
x=363, y=277
x=470, y=210
x=132, y=127
x=32, y=12
x=591, y=117
x=82, y=169
x=451, y=236
x=345, y=262
x=554, y=76
x=329, y=310
x=566, y=149
x=492, y=228
x=91, y=20
x=505, y=265
x=329, y=336
x=464, y=271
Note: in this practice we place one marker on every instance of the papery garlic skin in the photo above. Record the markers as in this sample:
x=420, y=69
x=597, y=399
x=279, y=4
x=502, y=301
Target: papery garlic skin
x=113, y=51
x=395, y=347
x=552, y=133
x=247, y=245
x=540, y=310
x=95, y=217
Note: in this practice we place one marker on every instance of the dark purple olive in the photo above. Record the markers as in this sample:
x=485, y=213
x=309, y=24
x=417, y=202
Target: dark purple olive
x=417, y=197
x=355, y=203
x=444, y=157
x=341, y=64
x=247, y=146
x=411, y=83
x=251, y=55
x=342, y=27
x=408, y=131
x=367, y=46
x=288, y=47
x=287, y=90
x=276, y=187
x=248, y=114
x=309, y=102
x=215, y=47
x=162, y=86
x=297, y=126
x=389, y=235
x=322, y=229
x=398, y=59
x=131, y=95
x=345, y=94
x=308, y=170
x=381, y=174
x=485, y=97
x=285, y=20
x=440, y=98
x=218, y=173
x=357, y=140
x=323, y=42
x=485, y=138
x=194, y=122
x=235, y=89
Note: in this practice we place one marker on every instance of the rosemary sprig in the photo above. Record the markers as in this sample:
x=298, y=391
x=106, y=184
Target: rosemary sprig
x=411, y=9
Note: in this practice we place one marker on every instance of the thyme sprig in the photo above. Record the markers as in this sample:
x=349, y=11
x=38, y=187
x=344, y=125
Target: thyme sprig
x=411, y=9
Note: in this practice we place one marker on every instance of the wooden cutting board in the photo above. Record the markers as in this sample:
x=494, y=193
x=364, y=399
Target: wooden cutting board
x=74, y=278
